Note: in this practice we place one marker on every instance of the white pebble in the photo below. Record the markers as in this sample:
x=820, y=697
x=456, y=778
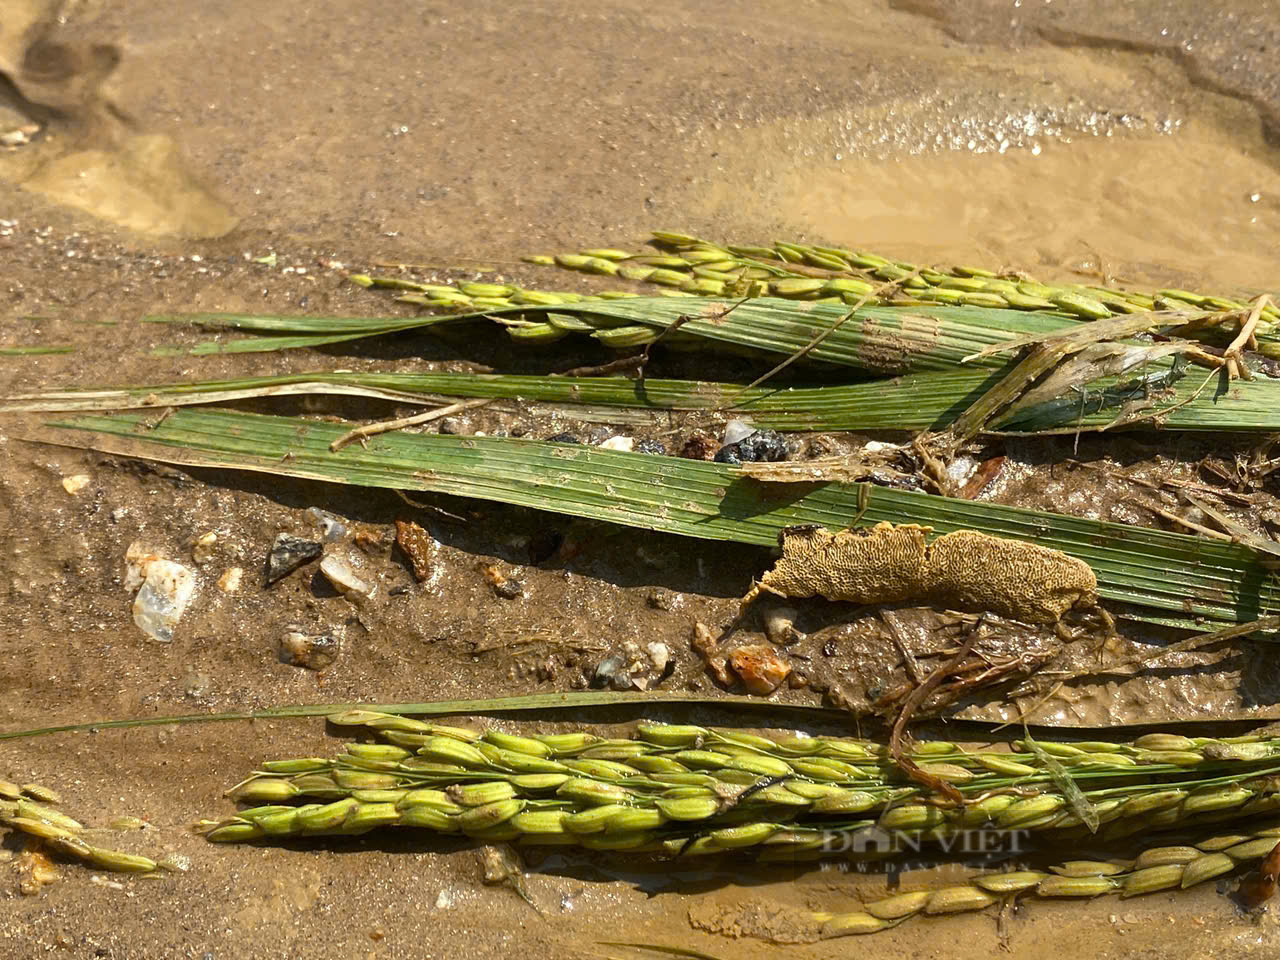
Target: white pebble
x=345, y=580
x=164, y=590
x=625, y=444
x=332, y=529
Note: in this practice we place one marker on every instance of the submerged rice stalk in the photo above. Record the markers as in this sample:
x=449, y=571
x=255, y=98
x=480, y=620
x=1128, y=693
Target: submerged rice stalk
x=690, y=791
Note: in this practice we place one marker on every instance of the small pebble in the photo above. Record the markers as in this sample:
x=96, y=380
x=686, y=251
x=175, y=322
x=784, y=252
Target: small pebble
x=659, y=656
x=332, y=527
x=417, y=545
x=879, y=446
x=961, y=469
x=607, y=670
x=229, y=582
x=345, y=579
x=779, y=625
x=761, y=668
x=509, y=589
x=453, y=426
x=288, y=553
x=651, y=447
x=75, y=484
x=729, y=454
x=625, y=444
x=763, y=446
x=164, y=590
x=35, y=871
x=503, y=586
x=309, y=651
x=204, y=546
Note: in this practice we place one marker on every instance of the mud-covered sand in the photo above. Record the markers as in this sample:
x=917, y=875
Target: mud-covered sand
x=173, y=144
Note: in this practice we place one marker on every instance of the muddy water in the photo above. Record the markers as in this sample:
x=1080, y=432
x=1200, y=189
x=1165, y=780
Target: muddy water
x=172, y=140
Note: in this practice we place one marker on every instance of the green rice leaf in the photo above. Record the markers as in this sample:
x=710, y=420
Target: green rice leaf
x=1164, y=577
x=912, y=402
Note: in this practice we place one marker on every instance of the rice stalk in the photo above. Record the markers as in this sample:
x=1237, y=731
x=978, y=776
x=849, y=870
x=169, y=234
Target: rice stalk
x=688, y=790
x=35, y=351
x=879, y=340
x=64, y=835
x=810, y=271
x=1210, y=858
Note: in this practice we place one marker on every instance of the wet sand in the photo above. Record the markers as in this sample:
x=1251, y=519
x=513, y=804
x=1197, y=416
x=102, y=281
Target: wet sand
x=175, y=145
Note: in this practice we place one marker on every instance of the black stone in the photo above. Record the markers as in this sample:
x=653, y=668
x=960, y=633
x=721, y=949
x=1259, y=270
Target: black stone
x=288, y=553
x=652, y=447
x=763, y=446
x=729, y=453
x=509, y=589
x=563, y=438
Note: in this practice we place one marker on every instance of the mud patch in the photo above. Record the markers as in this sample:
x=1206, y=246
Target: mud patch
x=143, y=186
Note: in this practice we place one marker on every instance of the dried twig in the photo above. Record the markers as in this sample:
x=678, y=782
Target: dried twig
x=386, y=426
x=808, y=347
x=917, y=697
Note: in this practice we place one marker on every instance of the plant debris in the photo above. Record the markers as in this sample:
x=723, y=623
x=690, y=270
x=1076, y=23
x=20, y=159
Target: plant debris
x=966, y=570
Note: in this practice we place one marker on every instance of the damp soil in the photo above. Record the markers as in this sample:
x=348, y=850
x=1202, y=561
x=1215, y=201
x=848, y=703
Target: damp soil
x=170, y=153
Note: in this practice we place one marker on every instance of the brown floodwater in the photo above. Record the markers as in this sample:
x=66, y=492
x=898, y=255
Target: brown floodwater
x=170, y=145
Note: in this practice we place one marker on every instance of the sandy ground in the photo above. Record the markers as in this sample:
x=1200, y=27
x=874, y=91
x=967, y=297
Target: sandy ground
x=172, y=144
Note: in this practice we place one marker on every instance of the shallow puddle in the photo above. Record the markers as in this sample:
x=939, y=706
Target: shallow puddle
x=182, y=148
